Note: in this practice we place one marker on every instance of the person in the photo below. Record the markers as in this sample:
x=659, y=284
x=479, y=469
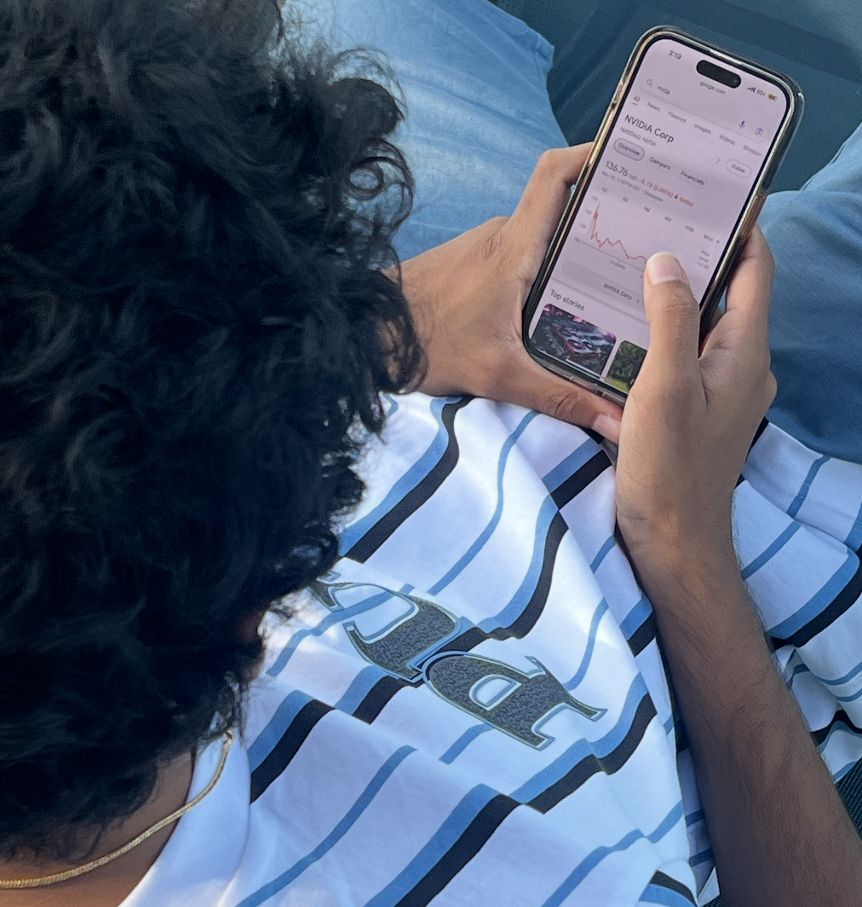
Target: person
x=469, y=704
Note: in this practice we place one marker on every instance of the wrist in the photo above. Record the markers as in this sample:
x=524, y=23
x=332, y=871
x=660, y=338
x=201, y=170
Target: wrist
x=684, y=570
x=677, y=536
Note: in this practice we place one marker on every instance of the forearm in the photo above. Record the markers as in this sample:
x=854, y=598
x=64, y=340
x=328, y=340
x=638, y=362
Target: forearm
x=779, y=830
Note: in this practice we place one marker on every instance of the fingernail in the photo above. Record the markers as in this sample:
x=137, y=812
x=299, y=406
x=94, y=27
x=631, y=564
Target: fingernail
x=607, y=426
x=663, y=267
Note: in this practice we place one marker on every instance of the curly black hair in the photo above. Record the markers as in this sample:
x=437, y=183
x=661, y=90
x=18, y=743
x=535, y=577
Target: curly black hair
x=196, y=208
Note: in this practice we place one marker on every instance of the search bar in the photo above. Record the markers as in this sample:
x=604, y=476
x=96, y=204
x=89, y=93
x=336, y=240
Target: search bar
x=656, y=89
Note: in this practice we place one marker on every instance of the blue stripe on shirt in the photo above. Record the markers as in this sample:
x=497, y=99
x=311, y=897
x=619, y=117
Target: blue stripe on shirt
x=373, y=788
x=839, y=727
x=705, y=856
x=329, y=620
x=442, y=840
x=635, y=618
x=515, y=607
x=804, y=669
x=587, y=865
x=463, y=742
x=573, y=462
x=793, y=509
x=819, y=602
x=557, y=769
x=578, y=676
x=770, y=552
x=608, y=546
x=359, y=688
x=841, y=680
x=488, y=531
x=278, y=724
x=414, y=475
x=854, y=539
x=658, y=894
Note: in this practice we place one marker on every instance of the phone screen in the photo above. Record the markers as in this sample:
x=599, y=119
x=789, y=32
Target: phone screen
x=678, y=168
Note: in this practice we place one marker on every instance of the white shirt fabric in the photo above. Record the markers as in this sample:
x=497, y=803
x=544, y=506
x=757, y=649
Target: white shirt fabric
x=472, y=707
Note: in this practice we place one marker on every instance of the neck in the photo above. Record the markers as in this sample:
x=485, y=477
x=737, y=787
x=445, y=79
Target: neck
x=108, y=885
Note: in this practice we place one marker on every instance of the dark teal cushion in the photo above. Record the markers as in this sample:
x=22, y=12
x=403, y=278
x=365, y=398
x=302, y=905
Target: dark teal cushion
x=817, y=42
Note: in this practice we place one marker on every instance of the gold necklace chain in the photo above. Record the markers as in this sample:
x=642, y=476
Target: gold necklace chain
x=109, y=857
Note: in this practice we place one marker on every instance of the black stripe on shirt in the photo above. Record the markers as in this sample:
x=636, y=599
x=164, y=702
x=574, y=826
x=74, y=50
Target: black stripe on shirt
x=287, y=747
x=842, y=602
x=764, y=424
x=680, y=734
x=643, y=636
x=662, y=880
x=531, y=612
x=528, y=618
x=365, y=546
x=580, y=479
x=470, y=842
x=377, y=698
x=592, y=765
x=468, y=640
x=841, y=717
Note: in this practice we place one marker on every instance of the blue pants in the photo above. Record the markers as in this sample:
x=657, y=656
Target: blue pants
x=474, y=79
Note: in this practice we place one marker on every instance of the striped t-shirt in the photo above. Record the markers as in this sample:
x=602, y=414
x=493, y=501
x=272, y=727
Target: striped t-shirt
x=472, y=708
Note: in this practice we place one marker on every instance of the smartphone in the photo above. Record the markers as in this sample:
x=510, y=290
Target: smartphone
x=682, y=163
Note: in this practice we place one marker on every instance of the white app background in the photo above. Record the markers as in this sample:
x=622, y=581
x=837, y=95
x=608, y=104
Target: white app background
x=678, y=168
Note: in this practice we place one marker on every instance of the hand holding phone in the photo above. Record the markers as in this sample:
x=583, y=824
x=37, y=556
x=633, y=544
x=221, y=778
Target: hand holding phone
x=692, y=414
x=467, y=298
x=682, y=162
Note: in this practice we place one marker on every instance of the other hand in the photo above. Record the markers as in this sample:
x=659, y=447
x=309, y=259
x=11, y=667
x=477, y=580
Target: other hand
x=467, y=298
x=690, y=417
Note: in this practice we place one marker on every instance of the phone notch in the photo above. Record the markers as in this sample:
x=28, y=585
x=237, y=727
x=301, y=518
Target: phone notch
x=710, y=71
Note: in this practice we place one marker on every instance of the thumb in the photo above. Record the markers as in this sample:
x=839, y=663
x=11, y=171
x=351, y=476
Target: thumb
x=673, y=315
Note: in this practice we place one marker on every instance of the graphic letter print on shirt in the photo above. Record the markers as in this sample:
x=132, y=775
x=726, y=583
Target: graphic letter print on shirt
x=508, y=699
x=399, y=647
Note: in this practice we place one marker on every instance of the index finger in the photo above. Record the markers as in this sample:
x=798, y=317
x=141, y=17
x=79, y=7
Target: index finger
x=546, y=194
x=749, y=292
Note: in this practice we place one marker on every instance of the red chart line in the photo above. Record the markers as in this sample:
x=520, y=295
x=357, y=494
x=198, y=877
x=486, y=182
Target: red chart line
x=601, y=243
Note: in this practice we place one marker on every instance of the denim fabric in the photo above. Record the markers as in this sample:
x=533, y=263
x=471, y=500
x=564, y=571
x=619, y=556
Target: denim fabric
x=816, y=320
x=474, y=80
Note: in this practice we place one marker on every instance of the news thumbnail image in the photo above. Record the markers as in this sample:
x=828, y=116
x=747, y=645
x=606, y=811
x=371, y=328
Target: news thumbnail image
x=573, y=340
x=626, y=365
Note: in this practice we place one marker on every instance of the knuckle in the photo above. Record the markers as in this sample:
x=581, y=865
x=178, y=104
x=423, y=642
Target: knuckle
x=679, y=304
x=562, y=403
x=769, y=263
x=493, y=243
x=771, y=388
x=550, y=161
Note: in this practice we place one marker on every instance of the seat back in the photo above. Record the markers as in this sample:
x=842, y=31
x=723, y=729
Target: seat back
x=816, y=42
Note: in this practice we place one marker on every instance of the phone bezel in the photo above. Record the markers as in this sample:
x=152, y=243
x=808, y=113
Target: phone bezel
x=745, y=221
